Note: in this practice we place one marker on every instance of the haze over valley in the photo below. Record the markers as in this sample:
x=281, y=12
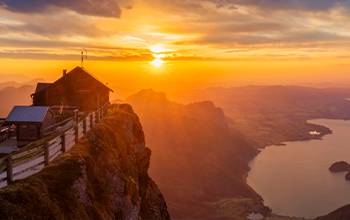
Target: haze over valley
x=180, y=109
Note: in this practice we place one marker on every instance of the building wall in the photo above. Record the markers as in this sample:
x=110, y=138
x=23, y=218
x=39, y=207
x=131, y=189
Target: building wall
x=28, y=132
x=48, y=121
x=77, y=88
x=39, y=99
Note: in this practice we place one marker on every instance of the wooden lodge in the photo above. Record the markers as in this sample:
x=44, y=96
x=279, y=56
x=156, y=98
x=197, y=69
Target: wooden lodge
x=32, y=122
x=77, y=88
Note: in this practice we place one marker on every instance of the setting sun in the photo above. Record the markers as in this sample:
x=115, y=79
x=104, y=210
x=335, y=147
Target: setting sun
x=157, y=62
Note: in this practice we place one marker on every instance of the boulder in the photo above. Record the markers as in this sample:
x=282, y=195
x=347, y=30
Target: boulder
x=339, y=166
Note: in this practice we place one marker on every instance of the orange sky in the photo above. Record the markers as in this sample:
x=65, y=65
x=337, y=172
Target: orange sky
x=198, y=43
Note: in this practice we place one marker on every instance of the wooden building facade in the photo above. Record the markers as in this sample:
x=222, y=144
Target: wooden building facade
x=32, y=122
x=77, y=88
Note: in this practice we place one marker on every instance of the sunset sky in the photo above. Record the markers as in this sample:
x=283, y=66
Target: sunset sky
x=179, y=44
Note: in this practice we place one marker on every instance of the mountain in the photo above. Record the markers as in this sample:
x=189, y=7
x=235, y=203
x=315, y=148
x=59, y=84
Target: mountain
x=11, y=96
x=9, y=77
x=104, y=176
x=157, y=101
x=16, y=84
x=343, y=213
x=270, y=115
x=196, y=161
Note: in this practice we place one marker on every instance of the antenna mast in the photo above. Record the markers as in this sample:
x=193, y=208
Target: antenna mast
x=82, y=57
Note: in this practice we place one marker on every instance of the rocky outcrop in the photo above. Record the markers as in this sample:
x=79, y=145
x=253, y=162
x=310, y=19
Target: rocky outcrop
x=206, y=110
x=105, y=176
x=347, y=176
x=340, y=166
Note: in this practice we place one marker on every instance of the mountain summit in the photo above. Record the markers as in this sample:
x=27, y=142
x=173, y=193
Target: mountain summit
x=196, y=159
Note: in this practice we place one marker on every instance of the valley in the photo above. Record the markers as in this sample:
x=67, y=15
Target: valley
x=257, y=116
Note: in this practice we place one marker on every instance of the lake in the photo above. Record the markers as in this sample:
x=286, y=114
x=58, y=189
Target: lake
x=294, y=179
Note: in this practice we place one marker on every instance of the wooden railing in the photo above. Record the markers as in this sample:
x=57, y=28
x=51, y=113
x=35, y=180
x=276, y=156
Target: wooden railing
x=24, y=164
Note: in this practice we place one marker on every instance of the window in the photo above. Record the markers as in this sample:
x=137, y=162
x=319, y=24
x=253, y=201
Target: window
x=28, y=132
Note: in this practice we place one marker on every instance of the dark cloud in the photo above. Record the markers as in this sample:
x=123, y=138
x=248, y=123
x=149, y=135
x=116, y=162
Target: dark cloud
x=311, y=39
x=54, y=44
x=129, y=7
x=299, y=5
x=103, y=8
x=219, y=6
x=229, y=27
x=251, y=27
x=68, y=25
x=177, y=6
x=2, y=5
x=263, y=6
x=72, y=57
x=232, y=7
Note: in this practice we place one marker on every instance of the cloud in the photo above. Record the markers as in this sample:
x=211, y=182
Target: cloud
x=309, y=39
x=232, y=7
x=219, y=6
x=53, y=27
x=72, y=57
x=102, y=8
x=3, y=5
x=129, y=7
x=299, y=5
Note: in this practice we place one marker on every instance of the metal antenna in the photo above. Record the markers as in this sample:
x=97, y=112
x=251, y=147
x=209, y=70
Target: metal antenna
x=82, y=57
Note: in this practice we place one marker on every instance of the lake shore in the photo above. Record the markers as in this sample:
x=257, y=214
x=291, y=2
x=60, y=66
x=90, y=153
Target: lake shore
x=288, y=144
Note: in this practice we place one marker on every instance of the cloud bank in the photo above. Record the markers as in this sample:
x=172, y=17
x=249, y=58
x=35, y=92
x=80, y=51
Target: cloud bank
x=102, y=8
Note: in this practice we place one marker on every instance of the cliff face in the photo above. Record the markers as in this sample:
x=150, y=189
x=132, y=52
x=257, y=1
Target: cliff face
x=157, y=101
x=196, y=160
x=103, y=177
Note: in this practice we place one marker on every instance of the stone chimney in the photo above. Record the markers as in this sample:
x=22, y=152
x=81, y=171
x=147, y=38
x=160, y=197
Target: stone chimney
x=64, y=72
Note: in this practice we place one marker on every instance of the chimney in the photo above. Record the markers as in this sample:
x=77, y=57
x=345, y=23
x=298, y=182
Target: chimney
x=64, y=72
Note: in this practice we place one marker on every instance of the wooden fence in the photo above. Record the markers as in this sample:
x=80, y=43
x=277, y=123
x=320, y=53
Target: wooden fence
x=45, y=153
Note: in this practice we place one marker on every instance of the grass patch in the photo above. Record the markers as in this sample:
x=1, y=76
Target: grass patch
x=2, y=156
x=238, y=208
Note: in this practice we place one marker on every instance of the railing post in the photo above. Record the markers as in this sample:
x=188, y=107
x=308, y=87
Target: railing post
x=84, y=126
x=91, y=120
x=46, y=153
x=76, y=128
x=63, y=142
x=9, y=169
x=97, y=115
x=76, y=116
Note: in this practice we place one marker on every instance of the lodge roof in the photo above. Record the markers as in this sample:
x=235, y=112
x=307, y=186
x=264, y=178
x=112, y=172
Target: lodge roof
x=34, y=114
x=78, y=68
x=43, y=86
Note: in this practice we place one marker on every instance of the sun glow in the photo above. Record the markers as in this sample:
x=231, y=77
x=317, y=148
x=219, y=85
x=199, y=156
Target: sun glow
x=157, y=49
x=157, y=62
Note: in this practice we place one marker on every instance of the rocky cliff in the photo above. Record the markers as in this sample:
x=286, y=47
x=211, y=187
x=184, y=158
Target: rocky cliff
x=197, y=161
x=157, y=101
x=104, y=176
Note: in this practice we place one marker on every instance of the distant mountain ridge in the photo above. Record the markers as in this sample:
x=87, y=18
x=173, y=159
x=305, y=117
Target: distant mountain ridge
x=16, y=84
x=196, y=160
x=149, y=99
x=11, y=96
x=18, y=77
x=271, y=115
